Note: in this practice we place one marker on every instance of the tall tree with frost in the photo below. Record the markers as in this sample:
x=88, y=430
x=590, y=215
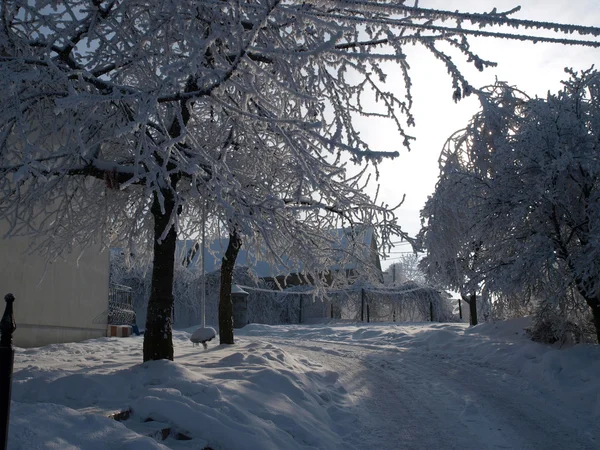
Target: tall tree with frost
x=120, y=119
x=530, y=192
x=452, y=234
x=542, y=213
x=447, y=228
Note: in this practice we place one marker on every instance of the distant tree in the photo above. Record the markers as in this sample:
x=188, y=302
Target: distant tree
x=119, y=119
x=406, y=269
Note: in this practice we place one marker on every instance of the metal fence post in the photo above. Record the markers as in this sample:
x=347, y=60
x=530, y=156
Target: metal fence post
x=362, y=305
x=7, y=357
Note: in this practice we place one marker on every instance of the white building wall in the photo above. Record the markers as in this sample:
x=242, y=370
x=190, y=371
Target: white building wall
x=64, y=301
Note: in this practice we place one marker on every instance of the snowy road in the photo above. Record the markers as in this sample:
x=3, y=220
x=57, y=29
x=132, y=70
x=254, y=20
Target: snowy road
x=411, y=400
x=330, y=386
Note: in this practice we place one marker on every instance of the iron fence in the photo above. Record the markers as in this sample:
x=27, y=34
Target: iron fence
x=120, y=305
x=406, y=303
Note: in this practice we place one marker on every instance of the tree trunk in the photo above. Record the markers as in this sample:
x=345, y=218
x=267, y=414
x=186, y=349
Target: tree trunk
x=471, y=299
x=594, y=304
x=473, y=308
x=596, y=314
x=158, y=342
x=225, y=304
x=595, y=307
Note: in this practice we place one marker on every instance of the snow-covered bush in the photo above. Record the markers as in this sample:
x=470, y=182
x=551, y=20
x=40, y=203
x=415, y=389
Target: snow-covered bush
x=562, y=320
x=505, y=307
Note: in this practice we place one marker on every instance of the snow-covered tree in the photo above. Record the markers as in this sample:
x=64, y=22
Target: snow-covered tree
x=531, y=193
x=120, y=120
x=544, y=206
x=446, y=234
x=405, y=269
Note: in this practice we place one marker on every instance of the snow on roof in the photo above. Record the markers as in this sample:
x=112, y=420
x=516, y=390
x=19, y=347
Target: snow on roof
x=235, y=289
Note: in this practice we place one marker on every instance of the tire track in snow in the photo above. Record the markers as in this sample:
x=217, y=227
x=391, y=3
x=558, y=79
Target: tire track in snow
x=415, y=400
x=388, y=417
x=524, y=416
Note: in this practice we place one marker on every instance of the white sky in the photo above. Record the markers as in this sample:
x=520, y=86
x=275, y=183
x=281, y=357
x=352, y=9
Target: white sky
x=534, y=68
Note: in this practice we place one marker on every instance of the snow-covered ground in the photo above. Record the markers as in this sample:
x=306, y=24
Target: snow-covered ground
x=325, y=386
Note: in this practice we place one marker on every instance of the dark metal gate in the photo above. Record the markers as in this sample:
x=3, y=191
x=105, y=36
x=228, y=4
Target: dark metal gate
x=120, y=305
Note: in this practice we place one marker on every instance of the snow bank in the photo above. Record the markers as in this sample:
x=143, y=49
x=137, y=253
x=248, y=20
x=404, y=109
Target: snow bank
x=247, y=396
x=573, y=374
x=52, y=426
